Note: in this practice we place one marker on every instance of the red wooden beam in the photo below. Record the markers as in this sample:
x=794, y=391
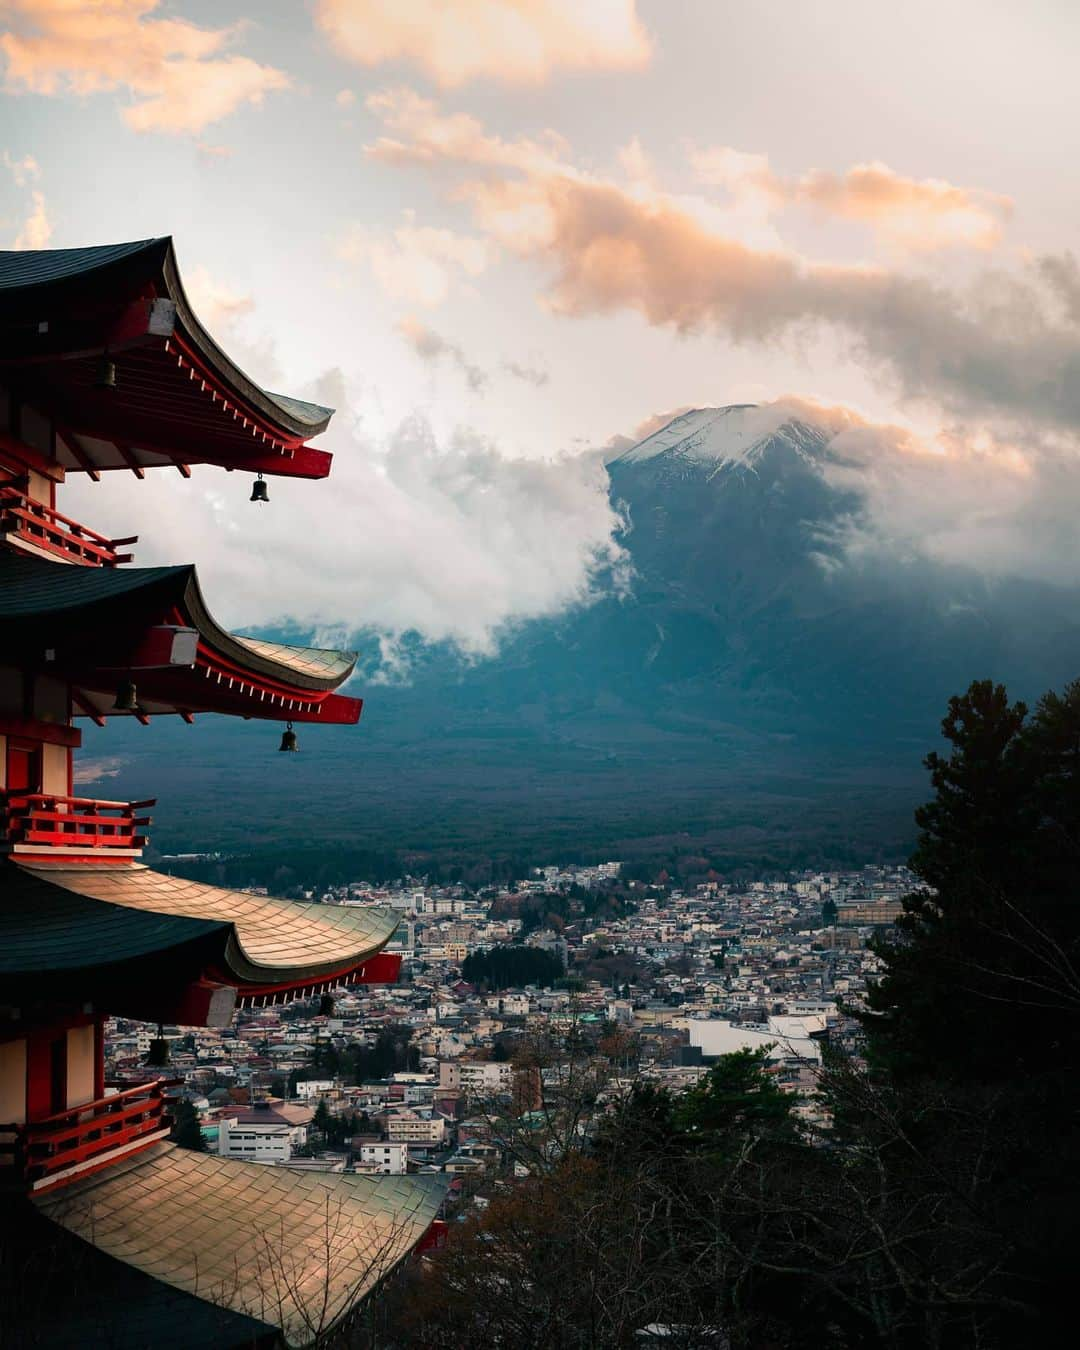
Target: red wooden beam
x=130, y=460
x=27, y=457
x=52, y=733
x=79, y=698
x=85, y=462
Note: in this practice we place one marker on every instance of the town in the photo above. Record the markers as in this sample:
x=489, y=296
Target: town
x=649, y=979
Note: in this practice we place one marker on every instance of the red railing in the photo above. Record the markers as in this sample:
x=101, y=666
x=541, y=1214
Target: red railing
x=38, y=524
x=43, y=1149
x=38, y=818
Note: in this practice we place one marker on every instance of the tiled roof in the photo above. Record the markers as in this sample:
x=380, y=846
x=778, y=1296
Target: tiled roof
x=47, y=928
x=271, y=940
x=35, y=592
x=41, y=267
x=297, y=1249
x=29, y=275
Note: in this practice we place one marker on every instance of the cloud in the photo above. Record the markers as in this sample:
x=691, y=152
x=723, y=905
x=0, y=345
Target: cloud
x=454, y=541
x=424, y=134
x=998, y=349
x=417, y=264
x=181, y=75
x=527, y=374
x=917, y=214
x=518, y=42
x=217, y=305
x=433, y=348
x=36, y=229
x=430, y=347
x=966, y=496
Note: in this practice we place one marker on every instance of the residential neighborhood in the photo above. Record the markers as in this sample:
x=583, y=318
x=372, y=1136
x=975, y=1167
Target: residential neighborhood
x=651, y=981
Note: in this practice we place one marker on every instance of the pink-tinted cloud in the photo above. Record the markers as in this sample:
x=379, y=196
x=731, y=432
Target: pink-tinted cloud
x=417, y=264
x=182, y=76
x=918, y=214
x=511, y=41
x=217, y=304
x=421, y=133
x=608, y=247
x=35, y=230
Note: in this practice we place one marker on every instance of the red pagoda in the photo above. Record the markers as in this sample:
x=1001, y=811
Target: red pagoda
x=104, y=368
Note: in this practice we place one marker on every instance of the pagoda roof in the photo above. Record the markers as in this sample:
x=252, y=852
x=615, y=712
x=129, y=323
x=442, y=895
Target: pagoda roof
x=126, y=622
x=83, y=924
x=178, y=398
x=296, y=1249
x=100, y=1303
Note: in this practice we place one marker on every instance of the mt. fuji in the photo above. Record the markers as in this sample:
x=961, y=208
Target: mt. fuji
x=757, y=676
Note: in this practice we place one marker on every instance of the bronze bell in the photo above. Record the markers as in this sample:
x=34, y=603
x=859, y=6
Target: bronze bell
x=127, y=698
x=106, y=376
x=288, y=739
x=258, y=491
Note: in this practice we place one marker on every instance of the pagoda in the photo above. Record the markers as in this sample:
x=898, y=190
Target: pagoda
x=104, y=369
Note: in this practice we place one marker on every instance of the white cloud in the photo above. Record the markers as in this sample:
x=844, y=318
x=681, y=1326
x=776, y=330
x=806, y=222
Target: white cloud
x=35, y=229
x=511, y=41
x=453, y=541
x=417, y=264
x=182, y=76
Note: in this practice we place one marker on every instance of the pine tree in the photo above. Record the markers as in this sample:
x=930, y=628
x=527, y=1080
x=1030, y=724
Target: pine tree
x=186, y=1130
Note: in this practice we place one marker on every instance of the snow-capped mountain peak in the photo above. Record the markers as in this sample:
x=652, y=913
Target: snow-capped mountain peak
x=717, y=437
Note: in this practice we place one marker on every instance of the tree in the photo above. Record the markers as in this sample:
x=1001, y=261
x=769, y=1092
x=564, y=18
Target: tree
x=737, y=1099
x=323, y=1121
x=186, y=1130
x=987, y=949
x=828, y=912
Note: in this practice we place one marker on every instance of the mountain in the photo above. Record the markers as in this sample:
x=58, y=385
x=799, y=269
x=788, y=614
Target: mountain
x=758, y=695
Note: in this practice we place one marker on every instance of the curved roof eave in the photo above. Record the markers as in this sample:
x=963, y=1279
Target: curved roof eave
x=271, y=940
x=292, y=665
x=25, y=273
x=297, y=1249
x=34, y=591
x=292, y=414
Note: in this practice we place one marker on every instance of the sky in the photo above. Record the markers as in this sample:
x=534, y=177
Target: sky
x=499, y=234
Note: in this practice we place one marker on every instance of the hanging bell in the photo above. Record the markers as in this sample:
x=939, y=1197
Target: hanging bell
x=288, y=739
x=158, y=1054
x=127, y=699
x=258, y=491
x=106, y=376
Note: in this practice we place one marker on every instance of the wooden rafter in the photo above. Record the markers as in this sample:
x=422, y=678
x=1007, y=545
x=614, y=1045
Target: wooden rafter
x=85, y=462
x=79, y=698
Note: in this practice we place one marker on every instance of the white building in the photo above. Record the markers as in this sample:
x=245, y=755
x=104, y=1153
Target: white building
x=407, y=1127
x=716, y=1037
x=478, y=1077
x=258, y=1143
x=314, y=1087
x=388, y=1157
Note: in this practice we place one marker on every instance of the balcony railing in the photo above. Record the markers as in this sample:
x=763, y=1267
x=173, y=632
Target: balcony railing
x=38, y=820
x=42, y=1151
x=22, y=519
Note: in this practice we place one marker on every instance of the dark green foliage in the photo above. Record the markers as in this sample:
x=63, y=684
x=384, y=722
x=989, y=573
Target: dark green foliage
x=512, y=968
x=186, y=1131
x=828, y=912
x=979, y=984
x=736, y=1099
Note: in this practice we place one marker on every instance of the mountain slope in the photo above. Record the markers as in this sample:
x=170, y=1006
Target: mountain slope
x=758, y=690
